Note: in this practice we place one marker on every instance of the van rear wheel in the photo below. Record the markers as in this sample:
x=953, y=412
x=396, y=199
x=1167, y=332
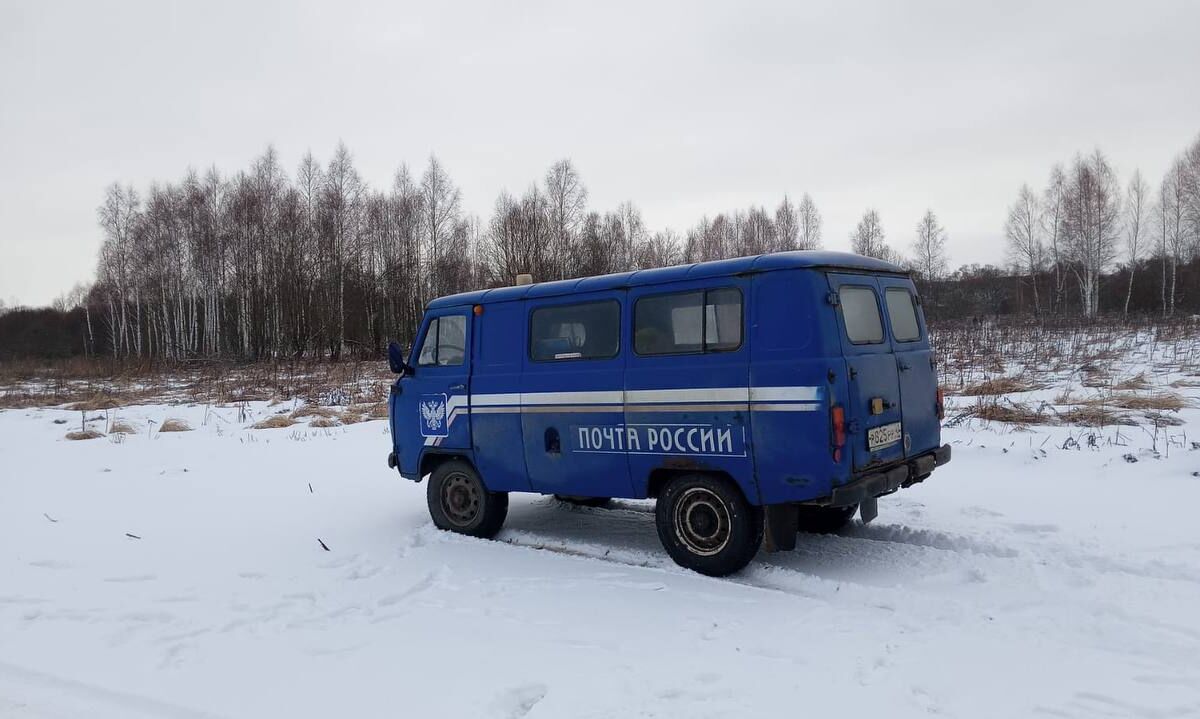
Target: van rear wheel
x=460, y=502
x=706, y=524
x=825, y=520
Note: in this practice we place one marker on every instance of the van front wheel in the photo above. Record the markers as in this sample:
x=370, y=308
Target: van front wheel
x=459, y=501
x=706, y=525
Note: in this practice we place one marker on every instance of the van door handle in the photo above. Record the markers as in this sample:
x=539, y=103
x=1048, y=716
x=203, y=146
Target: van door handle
x=458, y=386
x=904, y=366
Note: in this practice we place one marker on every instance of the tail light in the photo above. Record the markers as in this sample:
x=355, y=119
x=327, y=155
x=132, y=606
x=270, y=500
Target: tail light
x=941, y=404
x=837, y=422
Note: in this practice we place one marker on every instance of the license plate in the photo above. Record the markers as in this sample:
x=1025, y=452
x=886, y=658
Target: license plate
x=883, y=435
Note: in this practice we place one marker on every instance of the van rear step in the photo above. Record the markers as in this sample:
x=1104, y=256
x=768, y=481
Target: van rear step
x=878, y=484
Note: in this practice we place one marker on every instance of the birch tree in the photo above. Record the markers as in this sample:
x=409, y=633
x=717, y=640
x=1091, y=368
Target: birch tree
x=1092, y=224
x=868, y=239
x=810, y=224
x=1022, y=231
x=1136, y=210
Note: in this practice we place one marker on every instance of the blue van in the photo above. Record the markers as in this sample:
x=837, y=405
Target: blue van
x=752, y=397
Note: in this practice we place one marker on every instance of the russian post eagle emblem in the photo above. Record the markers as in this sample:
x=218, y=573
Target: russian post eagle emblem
x=434, y=413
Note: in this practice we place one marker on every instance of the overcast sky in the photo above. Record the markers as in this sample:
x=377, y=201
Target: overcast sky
x=684, y=108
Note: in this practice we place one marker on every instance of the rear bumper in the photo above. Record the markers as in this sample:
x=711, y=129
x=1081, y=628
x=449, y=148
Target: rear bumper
x=886, y=481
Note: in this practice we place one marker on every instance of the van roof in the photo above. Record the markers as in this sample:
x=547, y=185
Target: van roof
x=697, y=270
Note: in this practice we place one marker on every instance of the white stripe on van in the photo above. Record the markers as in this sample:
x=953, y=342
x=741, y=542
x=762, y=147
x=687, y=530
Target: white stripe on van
x=695, y=399
x=650, y=396
x=785, y=394
x=705, y=394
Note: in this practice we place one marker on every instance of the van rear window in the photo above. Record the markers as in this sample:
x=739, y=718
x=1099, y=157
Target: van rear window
x=590, y=330
x=861, y=314
x=902, y=314
x=688, y=322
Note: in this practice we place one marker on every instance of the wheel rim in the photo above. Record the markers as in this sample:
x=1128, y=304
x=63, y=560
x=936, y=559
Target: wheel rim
x=702, y=522
x=460, y=499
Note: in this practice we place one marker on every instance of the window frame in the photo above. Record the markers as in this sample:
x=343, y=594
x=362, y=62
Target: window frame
x=703, y=322
x=883, y=331
x=912, y=301
x=552, y=360
x=435, y=325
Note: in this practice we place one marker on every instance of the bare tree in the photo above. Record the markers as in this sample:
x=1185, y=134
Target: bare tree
x=1173, y=229
x=566, y=201
x=929, y=248
x=1135, y=227
x=1092, y=231
x=441, y=212
x=810, y=224
x=787, y=225
x=1022, y=230
x=1054, y=205
x=868, y=239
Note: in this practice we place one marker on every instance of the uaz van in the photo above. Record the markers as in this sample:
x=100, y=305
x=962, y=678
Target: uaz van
x=753, y=398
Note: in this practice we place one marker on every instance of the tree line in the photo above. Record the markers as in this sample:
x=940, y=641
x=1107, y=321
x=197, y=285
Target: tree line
x=1085, y=223
x=263, y=264
x=317, y=263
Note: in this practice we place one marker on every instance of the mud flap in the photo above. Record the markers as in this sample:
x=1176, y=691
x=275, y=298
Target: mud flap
x=868, y=509
x=781, y=521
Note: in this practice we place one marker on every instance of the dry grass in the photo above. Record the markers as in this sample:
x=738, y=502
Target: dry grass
x=1158, y=419
x=998, y=386
x=120, y=426
x=98, y=402
x=279, y=421
x=351, y=417
x=324, y=422
x=1161, y=402
x=174, y=425
x=314, y=411
x=1135, y=383
x=1181, y=383
x=85, y=434
x=1094, y=416
x=1010, y=412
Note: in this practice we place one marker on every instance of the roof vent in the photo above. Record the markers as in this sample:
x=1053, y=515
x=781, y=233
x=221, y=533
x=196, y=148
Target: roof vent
x=524, y=279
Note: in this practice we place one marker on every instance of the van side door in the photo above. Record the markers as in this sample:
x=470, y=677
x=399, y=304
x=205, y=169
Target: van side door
x=875, y=430
x=914, y=364
x=433, y=412
x=687, y=392
x=572, y=413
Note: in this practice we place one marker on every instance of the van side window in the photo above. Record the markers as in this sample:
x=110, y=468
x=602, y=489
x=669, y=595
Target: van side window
x=591, y=330
x=902, y=314
x=445, y=342
x=688, y=322
x=861, y=314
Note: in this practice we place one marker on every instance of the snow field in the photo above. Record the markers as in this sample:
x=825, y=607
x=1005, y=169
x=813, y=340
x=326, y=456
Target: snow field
x=1021, y=580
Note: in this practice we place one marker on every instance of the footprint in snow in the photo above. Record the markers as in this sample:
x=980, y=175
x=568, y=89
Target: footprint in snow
x=518, y=701
x=50, y=564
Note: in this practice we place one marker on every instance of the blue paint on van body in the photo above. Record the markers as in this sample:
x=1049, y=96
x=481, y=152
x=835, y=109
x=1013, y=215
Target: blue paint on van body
x=597, y=386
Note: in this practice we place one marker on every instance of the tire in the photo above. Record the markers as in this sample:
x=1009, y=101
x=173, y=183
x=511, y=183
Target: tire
x=825, y=520
x=706, y=524
x=583, y=501
x=460, y=502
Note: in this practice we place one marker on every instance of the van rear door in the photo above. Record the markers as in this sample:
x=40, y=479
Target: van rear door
x=914, y=364
x=875, y=429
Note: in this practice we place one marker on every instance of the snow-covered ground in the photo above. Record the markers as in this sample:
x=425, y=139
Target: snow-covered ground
x=183, y=575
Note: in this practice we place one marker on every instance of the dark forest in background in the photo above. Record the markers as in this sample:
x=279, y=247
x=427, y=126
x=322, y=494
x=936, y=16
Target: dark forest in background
x=261, y=264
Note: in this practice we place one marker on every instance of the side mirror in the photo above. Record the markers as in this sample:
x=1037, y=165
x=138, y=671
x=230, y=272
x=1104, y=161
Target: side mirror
x=396, y=359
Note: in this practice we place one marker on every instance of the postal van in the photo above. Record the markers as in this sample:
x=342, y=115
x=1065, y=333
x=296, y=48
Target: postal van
x=752, y=398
